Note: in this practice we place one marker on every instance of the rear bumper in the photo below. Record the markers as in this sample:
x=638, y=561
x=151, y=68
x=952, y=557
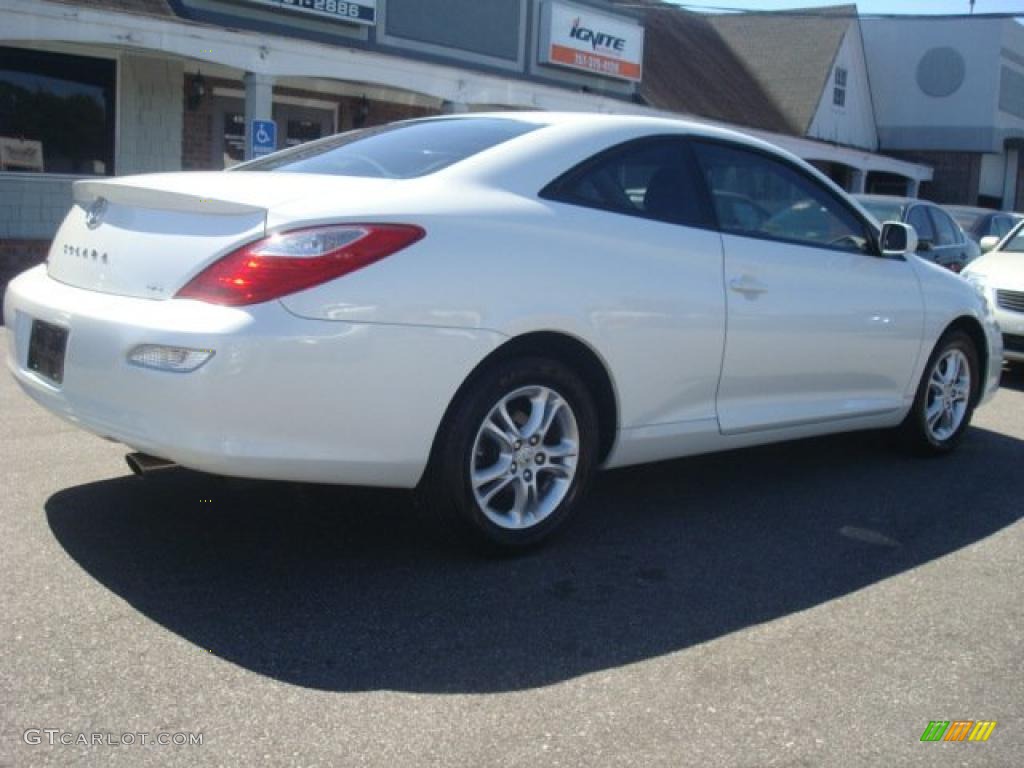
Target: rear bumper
x=283, y=397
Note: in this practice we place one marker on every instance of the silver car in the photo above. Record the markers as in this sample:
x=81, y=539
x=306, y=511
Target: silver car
x=939, y=237
x=979, y=223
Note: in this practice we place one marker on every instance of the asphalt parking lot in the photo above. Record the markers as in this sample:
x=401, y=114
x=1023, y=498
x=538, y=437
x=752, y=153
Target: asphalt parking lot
x=812, y=604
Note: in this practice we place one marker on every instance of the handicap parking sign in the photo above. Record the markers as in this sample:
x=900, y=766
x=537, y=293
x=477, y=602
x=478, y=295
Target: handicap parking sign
x=263, y=137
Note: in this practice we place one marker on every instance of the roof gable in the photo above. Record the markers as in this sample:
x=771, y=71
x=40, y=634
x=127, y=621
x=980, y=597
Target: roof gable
x=790, y=53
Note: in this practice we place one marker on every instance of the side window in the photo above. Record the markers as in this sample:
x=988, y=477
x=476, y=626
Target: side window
x=945, y=229
x=922, y=224
x=1001, y=225
x=757, y=195
x=651, y=178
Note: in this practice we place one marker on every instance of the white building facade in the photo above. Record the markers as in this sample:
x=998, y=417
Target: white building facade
x=950, y=93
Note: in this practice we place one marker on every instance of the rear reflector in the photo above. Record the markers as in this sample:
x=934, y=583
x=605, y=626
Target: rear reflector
x=161, y=357
x=164, y=358
x=292, y=261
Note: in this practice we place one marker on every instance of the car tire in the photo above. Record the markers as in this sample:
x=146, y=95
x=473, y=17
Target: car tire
x=945, y=398
x=515, y=454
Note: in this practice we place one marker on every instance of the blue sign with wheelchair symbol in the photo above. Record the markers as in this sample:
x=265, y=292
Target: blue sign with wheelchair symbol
x=263, y=137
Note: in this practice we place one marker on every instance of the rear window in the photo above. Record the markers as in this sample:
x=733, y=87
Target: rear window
x=397, y=151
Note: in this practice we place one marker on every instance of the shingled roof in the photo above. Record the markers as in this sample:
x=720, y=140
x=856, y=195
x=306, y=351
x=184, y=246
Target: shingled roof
x=790, y=53
x=145, y=7
x=689, y=68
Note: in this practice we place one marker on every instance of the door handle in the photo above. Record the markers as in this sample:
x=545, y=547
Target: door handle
x=747, y=285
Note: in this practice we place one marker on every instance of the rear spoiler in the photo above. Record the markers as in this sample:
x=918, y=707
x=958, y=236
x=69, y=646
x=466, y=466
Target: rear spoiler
x=134, y=191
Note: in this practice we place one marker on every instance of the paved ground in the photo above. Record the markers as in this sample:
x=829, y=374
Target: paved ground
x=805, y=605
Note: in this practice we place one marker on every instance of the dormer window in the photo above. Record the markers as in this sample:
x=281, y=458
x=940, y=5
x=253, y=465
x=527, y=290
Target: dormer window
x=839, y=91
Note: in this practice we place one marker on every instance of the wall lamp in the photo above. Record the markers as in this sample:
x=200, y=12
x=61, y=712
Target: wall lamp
x=196, y=92
x=361, y=113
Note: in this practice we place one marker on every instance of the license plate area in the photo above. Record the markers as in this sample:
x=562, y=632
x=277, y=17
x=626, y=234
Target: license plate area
x=46, y=346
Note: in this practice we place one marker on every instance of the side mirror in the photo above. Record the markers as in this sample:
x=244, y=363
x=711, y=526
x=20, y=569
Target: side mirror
x=988, y=243
x=897, y=239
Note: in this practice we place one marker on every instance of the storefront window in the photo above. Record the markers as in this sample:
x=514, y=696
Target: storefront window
x=56, y=113
x=301, y=131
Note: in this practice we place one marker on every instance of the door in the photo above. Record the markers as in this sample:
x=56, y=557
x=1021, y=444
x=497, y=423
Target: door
x=641, y=207
x=950, y=244
x=818, y=327
x=918, y=218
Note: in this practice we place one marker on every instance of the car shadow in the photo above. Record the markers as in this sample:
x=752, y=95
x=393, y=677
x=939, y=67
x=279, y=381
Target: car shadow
x=1013, y=376
x=348, y=589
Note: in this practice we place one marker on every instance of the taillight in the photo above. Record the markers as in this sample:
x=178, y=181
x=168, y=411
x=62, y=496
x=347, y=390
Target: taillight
x=291, y=261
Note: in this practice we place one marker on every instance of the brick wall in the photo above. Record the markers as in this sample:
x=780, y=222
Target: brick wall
x=957, y=175
x=17, y=255
x=197, y=126
x=381, y=112
x=197, y=141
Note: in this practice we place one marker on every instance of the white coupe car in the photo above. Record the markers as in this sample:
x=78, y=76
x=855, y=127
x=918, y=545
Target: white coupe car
x=490, y=308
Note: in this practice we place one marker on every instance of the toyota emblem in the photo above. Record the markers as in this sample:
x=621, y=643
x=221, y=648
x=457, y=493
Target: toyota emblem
x=94, y=213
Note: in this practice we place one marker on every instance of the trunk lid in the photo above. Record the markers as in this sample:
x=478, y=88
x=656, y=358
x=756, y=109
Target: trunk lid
x=146, y=236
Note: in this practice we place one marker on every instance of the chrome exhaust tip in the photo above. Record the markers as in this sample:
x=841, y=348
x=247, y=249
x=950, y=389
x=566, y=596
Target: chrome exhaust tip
x=143, y=464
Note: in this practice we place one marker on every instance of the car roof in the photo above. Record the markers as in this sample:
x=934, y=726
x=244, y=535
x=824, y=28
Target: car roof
x=583, y=127
x=971, y=209
x=981, y=211
x=590, y=118
x=648, y=122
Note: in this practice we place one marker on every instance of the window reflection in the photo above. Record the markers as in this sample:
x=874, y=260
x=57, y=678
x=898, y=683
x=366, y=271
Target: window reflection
x=56, y=113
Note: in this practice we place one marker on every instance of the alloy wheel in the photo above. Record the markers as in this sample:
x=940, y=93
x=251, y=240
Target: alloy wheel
x=524, y=457
x=949, y=391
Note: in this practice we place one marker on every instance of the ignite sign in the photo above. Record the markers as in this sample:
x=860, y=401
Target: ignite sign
x=594, y=42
